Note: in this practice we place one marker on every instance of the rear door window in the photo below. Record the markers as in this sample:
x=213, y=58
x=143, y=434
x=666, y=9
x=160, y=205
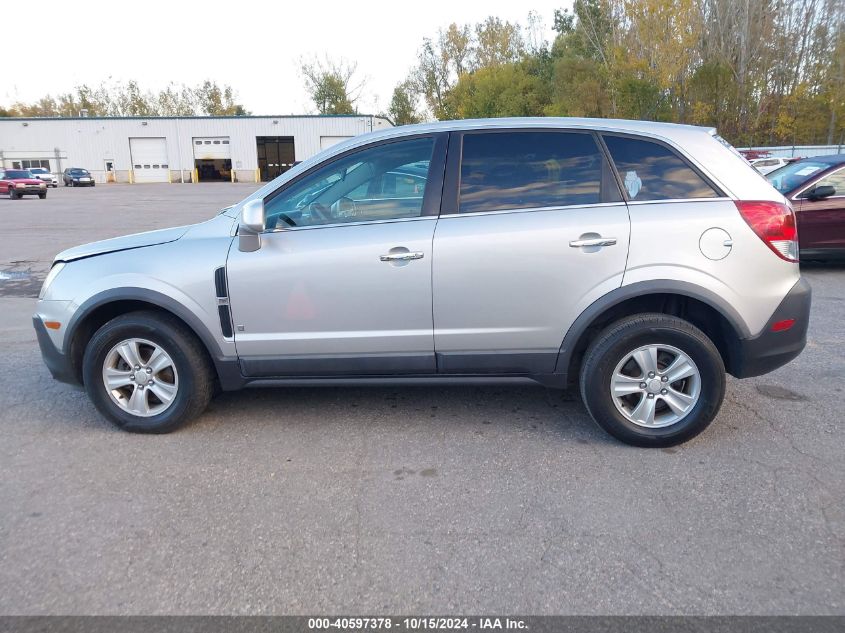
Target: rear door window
x=531, y=170
x=651, y=171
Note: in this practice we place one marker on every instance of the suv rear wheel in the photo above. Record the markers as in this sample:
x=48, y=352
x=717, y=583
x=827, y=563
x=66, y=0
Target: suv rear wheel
x=146, y=373
x=653, y=380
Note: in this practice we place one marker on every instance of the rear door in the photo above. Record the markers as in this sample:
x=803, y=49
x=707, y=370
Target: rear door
x=821, y=222
x=533, y=229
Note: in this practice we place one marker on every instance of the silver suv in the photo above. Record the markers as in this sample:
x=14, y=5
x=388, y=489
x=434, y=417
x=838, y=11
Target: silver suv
x=639, y=261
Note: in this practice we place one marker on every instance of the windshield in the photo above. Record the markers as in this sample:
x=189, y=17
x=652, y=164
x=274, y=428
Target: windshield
x=38, y=170
x=794, y=174
x=17, y=173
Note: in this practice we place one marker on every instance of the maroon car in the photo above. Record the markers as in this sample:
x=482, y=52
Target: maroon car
x=816, y=188
x=19, y=182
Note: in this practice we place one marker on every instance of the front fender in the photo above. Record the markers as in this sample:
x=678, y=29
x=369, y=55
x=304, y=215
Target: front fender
x=176, y=303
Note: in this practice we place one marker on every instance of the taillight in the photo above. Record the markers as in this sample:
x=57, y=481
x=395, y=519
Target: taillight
x=774, y=223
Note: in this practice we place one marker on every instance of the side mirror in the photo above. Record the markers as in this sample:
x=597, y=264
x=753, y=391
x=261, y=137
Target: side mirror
x=252, y=223
x=820, y=193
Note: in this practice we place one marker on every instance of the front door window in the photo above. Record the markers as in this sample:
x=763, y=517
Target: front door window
x=385, y=182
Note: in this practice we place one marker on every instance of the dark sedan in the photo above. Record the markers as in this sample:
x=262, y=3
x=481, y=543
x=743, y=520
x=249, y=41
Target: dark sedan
x=816, y=188
x=77, y=177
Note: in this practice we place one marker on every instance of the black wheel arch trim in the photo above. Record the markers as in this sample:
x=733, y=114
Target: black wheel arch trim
x=639, y=289
x=227, y=367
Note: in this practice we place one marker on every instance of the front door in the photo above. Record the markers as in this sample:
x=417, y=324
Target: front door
x=535, y=229
x=821, y=222
x=342, y=282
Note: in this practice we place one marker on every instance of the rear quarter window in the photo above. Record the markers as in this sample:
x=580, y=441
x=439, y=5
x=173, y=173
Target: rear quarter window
x=651, y=171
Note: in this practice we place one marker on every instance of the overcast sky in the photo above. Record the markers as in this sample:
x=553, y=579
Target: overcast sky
x=257, y=44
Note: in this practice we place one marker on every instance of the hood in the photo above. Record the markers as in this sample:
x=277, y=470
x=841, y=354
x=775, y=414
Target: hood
x=138, y=240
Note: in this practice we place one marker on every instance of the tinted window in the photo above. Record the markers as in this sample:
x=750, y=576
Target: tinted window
x=524, y=170
x=359, y=187
x=651, y=171
x=13, y=173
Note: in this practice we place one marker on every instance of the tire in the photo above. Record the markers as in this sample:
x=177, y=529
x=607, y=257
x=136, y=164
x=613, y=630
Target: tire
x=13, y=195
x=42, y=196
x=190, y=373
x=701, y=391
x=72, y=183
x=65, y=181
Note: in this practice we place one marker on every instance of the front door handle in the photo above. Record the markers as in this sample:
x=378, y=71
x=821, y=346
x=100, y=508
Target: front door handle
x=401, y=257
x=597, y=241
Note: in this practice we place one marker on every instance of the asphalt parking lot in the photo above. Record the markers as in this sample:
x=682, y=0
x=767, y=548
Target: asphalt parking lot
x=403, y=500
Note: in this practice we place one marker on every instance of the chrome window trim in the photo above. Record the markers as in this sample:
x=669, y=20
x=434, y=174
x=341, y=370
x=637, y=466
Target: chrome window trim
x=534, y=209
x=288, y=229
x=677, y=200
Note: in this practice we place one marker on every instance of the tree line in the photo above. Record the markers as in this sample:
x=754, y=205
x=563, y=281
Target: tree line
x=129, y=99
x=764, y=72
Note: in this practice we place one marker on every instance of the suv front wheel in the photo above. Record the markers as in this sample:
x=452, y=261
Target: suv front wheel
x=653, y=380
x=147, y=373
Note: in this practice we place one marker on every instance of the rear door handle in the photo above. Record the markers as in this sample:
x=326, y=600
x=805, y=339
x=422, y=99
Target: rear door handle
x=596, y=241
x=401, y=257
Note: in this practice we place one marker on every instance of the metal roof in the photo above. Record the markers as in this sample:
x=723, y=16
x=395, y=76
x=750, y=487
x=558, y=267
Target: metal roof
x=674, y=131
x=832, y=159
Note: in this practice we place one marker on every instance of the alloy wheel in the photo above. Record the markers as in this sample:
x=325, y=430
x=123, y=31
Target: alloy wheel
x=655, y=386
x=140, y=377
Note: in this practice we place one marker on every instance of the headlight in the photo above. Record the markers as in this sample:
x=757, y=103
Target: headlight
x=20, y=185
x=51, y=277
x=43, y=184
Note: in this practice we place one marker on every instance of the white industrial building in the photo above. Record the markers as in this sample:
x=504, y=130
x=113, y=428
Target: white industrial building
x=175, y=149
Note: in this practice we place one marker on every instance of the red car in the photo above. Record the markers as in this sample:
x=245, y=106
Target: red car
x=816, y=188
x=19, y=182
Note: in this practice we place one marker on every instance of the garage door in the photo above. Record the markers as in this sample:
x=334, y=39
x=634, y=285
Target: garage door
x=328, y=141
x=149, y=159
x=212, y=147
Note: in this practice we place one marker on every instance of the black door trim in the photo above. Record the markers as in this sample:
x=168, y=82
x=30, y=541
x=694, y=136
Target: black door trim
x=326, y=365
